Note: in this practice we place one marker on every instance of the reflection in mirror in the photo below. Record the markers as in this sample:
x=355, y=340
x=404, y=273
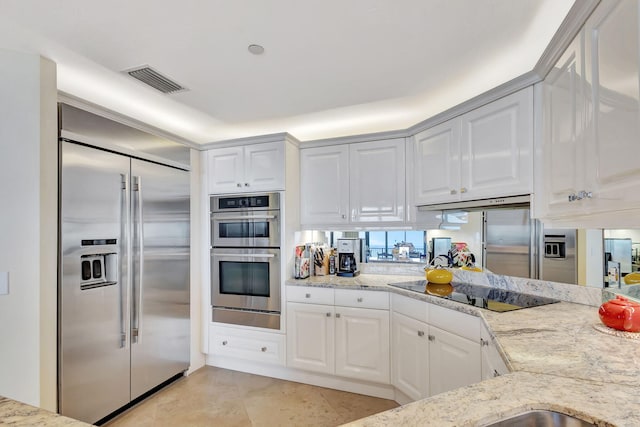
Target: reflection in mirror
x=622, y=261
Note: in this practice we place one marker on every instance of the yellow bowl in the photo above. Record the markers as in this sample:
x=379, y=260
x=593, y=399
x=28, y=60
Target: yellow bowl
x=632, y=278
x=439, y=276
x=439, y=289
x=470, y=268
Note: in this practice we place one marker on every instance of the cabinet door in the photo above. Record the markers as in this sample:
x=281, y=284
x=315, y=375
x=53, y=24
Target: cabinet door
x=437, y=163
x=377, y=181
x=410, y=356
x=264, y=167
x=615, y=57
x=362, y=344
x=492, y=363
x=310, y=337
x=324, y=185
x=225, y=170
x=496, y=148
x=453, y=361
x=563, y=117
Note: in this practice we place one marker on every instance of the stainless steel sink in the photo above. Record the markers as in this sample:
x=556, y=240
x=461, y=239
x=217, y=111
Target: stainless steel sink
x=540, y=418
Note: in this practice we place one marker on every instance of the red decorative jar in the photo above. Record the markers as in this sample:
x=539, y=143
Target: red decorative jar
x=621, y=314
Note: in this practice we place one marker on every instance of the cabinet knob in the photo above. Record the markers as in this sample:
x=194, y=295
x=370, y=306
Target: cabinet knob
x=432, y=338
x=246, y=184
x=224, y=342
x=344, y=216
x=454, y=192
x=263, y=349
x=337, y=315
x=484, y=342
x=463, y=190
x=496, y=373
x=328, y=314
x=307, y=295
x=420, y=333
x=359, y=299
x=238, y=185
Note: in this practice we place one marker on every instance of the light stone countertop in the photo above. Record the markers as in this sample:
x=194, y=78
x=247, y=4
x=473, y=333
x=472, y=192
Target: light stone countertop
x=15, y=413
x=558, y=362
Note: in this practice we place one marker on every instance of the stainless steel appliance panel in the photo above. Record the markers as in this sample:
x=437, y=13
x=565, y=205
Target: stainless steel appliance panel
x=93, y=337
x=246, y=279
x=508, y=241
x=160, y=274
x=558, y=256
x=245, y=220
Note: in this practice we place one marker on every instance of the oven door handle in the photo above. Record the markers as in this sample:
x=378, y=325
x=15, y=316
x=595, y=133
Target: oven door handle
x=223, y=218
x=246, y=255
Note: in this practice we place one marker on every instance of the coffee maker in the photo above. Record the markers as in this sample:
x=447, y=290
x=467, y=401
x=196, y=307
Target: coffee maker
x=348, y=257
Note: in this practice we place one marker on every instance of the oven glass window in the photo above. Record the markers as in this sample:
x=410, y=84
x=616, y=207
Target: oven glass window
x=243, y=230
x=244, y=278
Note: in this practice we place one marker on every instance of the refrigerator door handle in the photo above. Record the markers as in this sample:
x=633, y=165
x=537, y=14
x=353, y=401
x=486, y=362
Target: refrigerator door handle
x=124, y=209
x=139, y=244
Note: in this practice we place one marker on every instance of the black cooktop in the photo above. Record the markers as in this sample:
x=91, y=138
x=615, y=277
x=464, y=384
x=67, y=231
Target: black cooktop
x=493, y=299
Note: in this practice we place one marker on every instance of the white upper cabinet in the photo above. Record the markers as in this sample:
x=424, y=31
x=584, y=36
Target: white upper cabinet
x=487, y=152
x=246, y=169
x=324, y=179
x=437, y=163
x=353, y=184
x=592, y=118
x=377, y=181
x=615, y=58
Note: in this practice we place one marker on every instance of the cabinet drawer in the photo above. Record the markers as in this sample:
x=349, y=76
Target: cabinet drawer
x=247, y=344
x=456, y=322
x=416, y=309
x=310, y=295
x=364, y=299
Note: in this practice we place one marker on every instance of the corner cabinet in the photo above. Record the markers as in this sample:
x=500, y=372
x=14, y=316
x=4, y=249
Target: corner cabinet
x=353, y=184
x=435, y=349
x=591, y=118
x=487, y=152
x=246, y=168
x=350, y=340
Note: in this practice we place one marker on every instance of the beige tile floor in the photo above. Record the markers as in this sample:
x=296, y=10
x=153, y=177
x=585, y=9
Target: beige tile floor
x=219, y=397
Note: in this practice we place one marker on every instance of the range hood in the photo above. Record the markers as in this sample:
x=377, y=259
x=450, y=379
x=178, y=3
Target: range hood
x=510, y=202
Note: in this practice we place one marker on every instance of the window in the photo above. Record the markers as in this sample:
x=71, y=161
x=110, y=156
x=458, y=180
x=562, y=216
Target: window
x=410, y=245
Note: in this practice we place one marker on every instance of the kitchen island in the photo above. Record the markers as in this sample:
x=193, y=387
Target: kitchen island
x=15, y=413
x=558, y=361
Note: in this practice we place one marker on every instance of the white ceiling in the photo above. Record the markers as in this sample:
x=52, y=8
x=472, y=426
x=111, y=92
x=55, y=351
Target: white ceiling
x=330, y=68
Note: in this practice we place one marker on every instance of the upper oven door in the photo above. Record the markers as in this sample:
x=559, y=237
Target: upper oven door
x=245, y=229
x=246, y=279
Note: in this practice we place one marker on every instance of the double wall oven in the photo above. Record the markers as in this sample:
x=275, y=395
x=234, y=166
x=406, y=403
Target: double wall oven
x=245, y=259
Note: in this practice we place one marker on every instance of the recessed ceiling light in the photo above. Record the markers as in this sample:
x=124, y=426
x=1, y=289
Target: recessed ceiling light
x=256, y=49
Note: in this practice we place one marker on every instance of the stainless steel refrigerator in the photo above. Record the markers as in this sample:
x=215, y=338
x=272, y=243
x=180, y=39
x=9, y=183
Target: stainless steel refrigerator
x=123, y=279
x=509, y=242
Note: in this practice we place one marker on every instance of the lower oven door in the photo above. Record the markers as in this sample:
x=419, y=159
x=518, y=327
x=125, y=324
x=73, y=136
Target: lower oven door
x=245, y=286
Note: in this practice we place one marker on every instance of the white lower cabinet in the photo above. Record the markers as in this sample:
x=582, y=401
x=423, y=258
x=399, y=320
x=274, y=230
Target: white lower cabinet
x=350, y=342
x=454, y=361
x=427, y=360
x=265, y=347
x=410, y=356
x=492, y=363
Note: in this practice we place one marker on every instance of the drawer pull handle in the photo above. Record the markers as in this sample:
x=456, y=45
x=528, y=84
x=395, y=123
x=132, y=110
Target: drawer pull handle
x=337, y=315
x=420, y=333
x=263, y=349
x=307, y=295
x=432, y=338
x=359, y=300
x=328, y=314
x=224, y=342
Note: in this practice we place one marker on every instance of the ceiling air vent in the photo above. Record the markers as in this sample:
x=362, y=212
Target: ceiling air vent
x=156, y=80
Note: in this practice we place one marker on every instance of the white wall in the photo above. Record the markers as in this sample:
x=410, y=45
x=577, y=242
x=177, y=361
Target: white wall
x=28, y=224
